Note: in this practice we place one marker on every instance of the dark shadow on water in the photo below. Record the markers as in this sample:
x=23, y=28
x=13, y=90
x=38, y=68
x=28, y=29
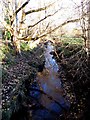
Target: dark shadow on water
x=52, y=96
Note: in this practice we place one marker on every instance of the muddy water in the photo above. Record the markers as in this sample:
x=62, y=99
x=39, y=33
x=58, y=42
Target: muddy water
x=50, y=83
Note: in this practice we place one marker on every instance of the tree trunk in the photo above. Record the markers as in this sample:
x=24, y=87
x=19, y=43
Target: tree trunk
x=15, y=40
x=88, y=30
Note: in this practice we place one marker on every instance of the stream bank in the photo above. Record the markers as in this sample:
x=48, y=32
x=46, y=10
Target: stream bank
x=16, y=72
x=20, y=80
x=27, y=98
x=75, y=76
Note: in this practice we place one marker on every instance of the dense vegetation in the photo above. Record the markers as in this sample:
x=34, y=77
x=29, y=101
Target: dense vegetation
x=19, y=73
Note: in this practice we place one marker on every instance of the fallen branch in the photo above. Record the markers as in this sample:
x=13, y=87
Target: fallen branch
x=50, y=97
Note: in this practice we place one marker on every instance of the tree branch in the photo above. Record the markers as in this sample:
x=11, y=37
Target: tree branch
x=39, y=9
x=7, y=26
x=23, y=5
x=66, y=22
x=43, y=19
x=50, y=97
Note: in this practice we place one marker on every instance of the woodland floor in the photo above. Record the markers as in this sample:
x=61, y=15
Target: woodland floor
x=19, y=72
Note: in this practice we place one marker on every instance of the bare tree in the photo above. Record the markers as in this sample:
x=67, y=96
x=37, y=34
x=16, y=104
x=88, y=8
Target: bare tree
x=41, y=25
x=85, y=6
x=16, y=25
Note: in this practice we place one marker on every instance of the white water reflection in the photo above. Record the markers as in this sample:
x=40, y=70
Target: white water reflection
x=50, y=83
x=50, y=62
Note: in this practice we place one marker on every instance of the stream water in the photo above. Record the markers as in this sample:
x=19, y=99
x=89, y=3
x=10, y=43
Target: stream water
x=49, y=82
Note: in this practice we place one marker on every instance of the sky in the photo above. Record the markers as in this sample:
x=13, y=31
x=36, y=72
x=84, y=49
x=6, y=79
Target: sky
x=61, y=16
x=67, y=12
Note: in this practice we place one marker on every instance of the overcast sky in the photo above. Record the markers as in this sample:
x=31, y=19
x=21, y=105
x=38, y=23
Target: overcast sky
x=67, y=12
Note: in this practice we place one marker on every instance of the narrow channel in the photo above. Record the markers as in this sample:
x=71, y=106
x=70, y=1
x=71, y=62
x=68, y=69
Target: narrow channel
x=49, y=82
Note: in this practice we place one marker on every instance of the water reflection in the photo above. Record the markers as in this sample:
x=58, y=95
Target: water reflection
x=50, y=83
x=50, y=62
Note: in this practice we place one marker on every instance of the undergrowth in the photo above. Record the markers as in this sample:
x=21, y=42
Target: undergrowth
x=73, y=59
